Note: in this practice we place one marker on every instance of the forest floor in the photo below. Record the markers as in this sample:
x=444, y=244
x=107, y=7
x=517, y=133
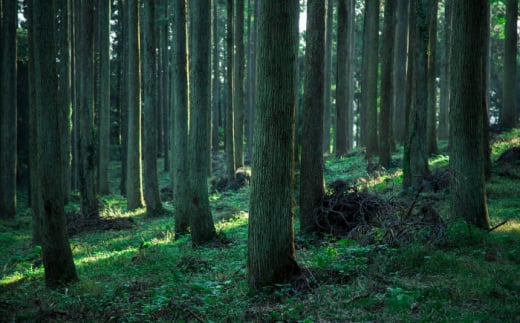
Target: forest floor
x=399, y=258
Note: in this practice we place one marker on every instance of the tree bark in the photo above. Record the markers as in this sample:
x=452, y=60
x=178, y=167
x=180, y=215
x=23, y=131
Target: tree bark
x=134, y=188
x=444, y=100
x=342, y=108
x=431, y=120
x=327, y=114
x=312, y=185
x=467, y=189
x=8, y=111
x=401, y=43
x=271, y=256
x=215, y=80
x=387, y=86
x=238, y=86
x=57, y=255
x=251, y=93
x=229, y=125
x=508, y=117
x=201, y=221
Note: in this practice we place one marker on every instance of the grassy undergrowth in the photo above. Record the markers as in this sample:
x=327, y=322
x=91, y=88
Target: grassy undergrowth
x=143, y=274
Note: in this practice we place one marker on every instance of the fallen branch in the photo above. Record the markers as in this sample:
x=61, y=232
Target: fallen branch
x=498, y=225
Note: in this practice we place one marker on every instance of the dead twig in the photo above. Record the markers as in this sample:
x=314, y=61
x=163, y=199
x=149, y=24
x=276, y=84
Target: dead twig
x=498, y=225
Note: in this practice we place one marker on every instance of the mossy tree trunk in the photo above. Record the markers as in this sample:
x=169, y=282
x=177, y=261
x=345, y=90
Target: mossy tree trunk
x=8, y=111
x=312, y=185
x=57, y=255
x=467, y=180
x=271, y=256
x=201, y=221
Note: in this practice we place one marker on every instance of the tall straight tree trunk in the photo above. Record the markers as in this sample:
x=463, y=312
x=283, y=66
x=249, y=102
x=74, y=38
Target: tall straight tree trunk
x=64, y=91
x=123, y=96
x=387, y=86
x=415, y=158
x=151, y=182
x=87, y=164
x=312, y=185
x=370, y=98
x=8, y=111
x=215, y=80
x=238, y=80
x=431, y=120
x=444, y=99
x=229, y=125
x=342, y=108
x=103, y=11
x=271, y=254
x=57, y=256
x=134, y=186
x=251, y=84
x=327, y=117
x=485, y=107
x=179, y=112
x=467, y=189
x=75, y=28
x=508, y=117
x=400, y=71
x=201, y=221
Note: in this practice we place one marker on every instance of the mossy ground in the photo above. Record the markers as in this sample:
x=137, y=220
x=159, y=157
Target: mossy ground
x=143, y=274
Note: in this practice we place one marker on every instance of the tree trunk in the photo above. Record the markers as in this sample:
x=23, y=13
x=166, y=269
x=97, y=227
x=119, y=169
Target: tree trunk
x=327, y=113
x=444, y=100
x=251, y=93
x=229, y=125
x=401, y=43
x=238, y=83
x=123, y=96
x=201, y=221
x=87, y=164
x=151, y=182
x=467, y=189
x=215, y=80
x=508, y=117
x=179, y=113
x=271, y=255
x=485, y=111
x=370, y=97
x=387, y=86
x=312, y=185
x=415, y=159
x=104, y=95
x=8, y=118
x=134, y=188
x=431, y=120
x=342, y=108
x=57, y=255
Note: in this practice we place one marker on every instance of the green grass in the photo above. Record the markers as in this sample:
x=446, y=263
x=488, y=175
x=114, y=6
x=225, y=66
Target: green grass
x=142, y=274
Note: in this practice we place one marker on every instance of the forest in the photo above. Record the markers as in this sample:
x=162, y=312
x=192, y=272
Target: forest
x=259, y=161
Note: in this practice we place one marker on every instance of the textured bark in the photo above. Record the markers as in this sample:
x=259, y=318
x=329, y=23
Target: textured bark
x=215, y=80
x=312, y=185
x=103, y=12
x=370, y=97
x=401, y=43
x=431, y=121
x=8, y=111
x=229, y=125
x=85, y=70
x=150, y=181
x=123, y=97
x=201, y=221
x=486, y=97
x=179, y=141
x=57, y=255
x=387, y=86
x=467, y=189
x=251, y=80
x=271, y=256
x=134, y=186
x=238, y=80
x=444, y=99
x=508, y=117
x=327, y=114
x=415, y=158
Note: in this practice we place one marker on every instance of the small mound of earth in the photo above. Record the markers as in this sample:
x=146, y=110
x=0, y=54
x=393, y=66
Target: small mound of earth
x=242, y=179
x=509, y=163
x=76, y=224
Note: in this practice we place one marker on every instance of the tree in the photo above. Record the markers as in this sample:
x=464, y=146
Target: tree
x=271, y=256
x=85, y=69
x=444, y=99
x=57, y=255
x=400, y=58
x=387, y=86
x=215, y=80
x=415, y=159
x=148, y=65
x=327, y=114
x=251, y=78
x=238, y=86
x=508, y=112
x=229, y=124
x=103, y=12
x=311, y=174
x=431, y=119
x=134, y=186
x=179, y=113
x=201, y=221
x=342, y=108
x=9, y=18
x=467, y=189
x=371, y=45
